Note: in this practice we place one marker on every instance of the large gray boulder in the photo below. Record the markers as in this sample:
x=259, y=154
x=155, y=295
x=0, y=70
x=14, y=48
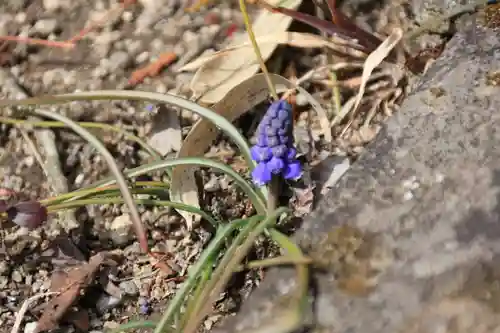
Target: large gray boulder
x=410, y=237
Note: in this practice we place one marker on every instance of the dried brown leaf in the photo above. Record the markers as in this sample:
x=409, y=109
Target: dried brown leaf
x=241, y=65
x=69, y=286
x=374, y=59
x=291, y=38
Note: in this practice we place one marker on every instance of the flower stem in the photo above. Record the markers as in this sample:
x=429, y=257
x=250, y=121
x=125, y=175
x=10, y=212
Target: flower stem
x=275, y=184
x=274, y=188
x=256, y=49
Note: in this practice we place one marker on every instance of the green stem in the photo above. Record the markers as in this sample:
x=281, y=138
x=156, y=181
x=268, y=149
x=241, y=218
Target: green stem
x=291, y=319
x=256, y=49
x=226, y=267
x=283, y=260
x=205, y=259
x=274, y=186
x=256, y=199
x=118, y=200
x=274, y=189
x=57, y=124
x=190, y=306
x=134, y=325
x=169, y=99
x=153, y=185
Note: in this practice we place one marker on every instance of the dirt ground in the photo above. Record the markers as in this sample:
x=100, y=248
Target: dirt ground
x=106, y=59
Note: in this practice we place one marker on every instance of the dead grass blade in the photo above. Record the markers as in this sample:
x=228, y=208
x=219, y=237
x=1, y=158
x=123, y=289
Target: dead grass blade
x=295, y=39
x=238, y=66
x=372, y=61
x=20, y=314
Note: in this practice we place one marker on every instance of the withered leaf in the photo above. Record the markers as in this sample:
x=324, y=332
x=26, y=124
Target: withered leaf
x=69, y=285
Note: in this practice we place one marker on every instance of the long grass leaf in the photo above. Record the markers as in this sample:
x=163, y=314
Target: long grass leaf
x=256, y=199
x=218, y=120
x=194, y=272
x=115, y=170
x=118, y=200
x=226, y=267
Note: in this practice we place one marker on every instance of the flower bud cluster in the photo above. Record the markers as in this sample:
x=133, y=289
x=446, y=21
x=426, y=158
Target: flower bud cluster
x=274, y=151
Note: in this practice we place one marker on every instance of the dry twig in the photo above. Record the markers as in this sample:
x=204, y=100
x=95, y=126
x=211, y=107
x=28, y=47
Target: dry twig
x=22, y=311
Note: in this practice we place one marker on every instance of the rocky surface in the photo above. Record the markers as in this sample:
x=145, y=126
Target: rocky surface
x=421, y=211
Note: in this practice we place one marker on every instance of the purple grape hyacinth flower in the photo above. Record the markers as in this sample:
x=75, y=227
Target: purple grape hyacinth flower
x=274, y=151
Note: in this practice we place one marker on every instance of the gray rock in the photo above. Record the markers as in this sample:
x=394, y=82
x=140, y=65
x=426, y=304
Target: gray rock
x=425, y=264
x=429, y=9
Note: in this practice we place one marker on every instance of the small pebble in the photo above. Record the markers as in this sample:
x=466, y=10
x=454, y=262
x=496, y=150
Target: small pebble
x=30, y=327
x=36, y=286
x=4, y=281
x=407, y=196
x=301, y=100
x=20, y=18
x=45, y=27
x=120, y=229
x=129, y=288
x=132, y=250
x=109, y=325
x=142, y=57
x=212, y=185
x=51, y=5
x=106, y=302
x=17, y=276
x=4, y=268
x=29, y=161
x=119, y=60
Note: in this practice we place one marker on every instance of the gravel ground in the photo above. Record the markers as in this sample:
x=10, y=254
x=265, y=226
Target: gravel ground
x=105, y=59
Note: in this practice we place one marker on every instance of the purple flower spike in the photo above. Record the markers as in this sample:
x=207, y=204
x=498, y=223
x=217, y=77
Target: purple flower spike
x=276, y=165
x=261, y=175
x=271, y=130
x=280, y=151
x=274, y=151
x=273, y=141
x=260, y=154
x=291, y=154
x=293, y=171
x=262, y=140
x=272, y=111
